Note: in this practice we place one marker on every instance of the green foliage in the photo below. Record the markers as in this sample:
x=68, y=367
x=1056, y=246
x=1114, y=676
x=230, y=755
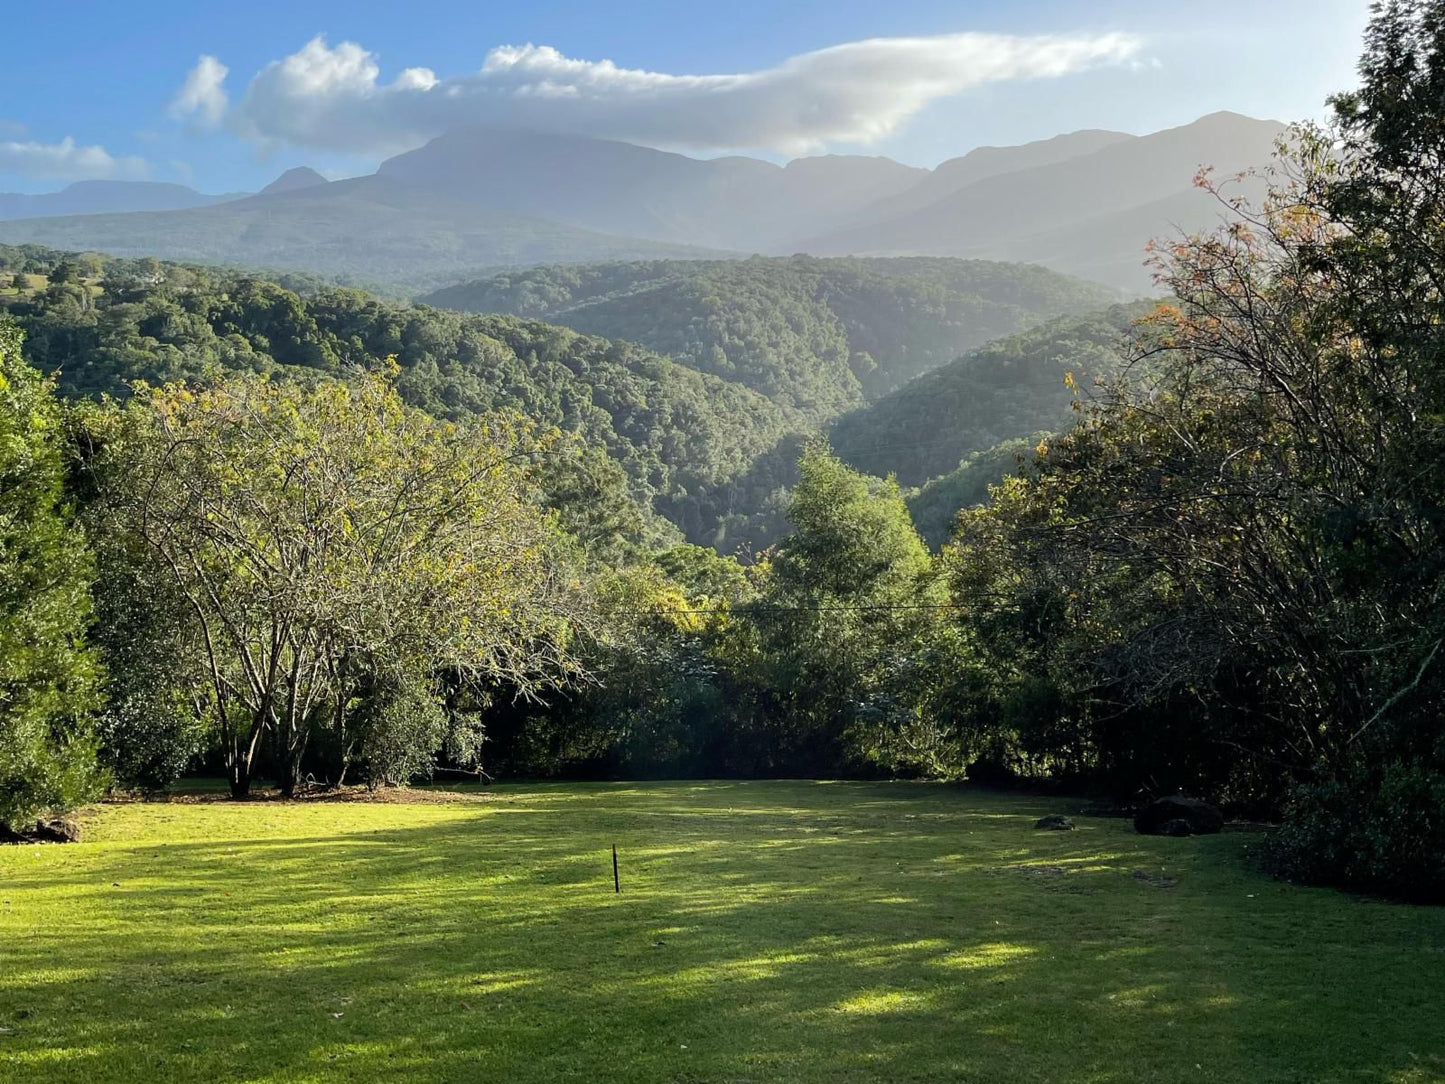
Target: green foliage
x=399, y=728
x=853, y=537
x=158, y=717
x=759, y=353
x=680, y=436
x=1002, y=391
x=815, y=336
x=48, y=676
x=317, y=540
x=935, y=505
x=849, y=602
x=1378, y=827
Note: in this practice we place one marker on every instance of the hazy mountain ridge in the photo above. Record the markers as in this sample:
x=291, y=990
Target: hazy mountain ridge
x=979, y=164
x=108, y=197
x=734, y=202
x=1115, y=199
x=367, y=228
x=294, y=179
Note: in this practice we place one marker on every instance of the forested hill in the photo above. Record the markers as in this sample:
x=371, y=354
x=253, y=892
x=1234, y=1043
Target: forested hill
x=680, y=435
x=708, y=444
x=816, y=336
x=1004, y=390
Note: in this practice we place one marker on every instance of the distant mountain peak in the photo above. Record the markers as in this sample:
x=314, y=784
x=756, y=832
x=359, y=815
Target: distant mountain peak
x=107, y=197
x=293, y=179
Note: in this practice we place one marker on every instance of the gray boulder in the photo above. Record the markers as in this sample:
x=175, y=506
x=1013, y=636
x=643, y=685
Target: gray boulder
x=1198, y=817
x=1055, y=822
x=57, y=830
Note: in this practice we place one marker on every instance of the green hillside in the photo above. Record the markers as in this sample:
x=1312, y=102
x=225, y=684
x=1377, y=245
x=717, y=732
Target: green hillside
x=817, y=336
x=1005, y=390
x=680, y=435
x=710, y=378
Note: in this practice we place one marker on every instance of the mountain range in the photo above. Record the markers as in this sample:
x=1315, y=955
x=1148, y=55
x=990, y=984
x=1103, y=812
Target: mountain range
x=102, y=197
x=479, y=198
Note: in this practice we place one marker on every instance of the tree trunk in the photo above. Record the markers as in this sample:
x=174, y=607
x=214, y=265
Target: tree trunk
x=339, y=722
x=294, y=749
x=240, y=777
x=240, y=763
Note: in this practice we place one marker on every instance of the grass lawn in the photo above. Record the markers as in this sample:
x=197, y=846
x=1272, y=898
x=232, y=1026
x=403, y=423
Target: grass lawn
x=765, y=932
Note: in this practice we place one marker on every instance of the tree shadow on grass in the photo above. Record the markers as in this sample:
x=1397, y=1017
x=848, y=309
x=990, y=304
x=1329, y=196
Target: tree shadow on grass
x=783, y=932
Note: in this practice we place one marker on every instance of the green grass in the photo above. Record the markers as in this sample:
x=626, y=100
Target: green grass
x=765, y=932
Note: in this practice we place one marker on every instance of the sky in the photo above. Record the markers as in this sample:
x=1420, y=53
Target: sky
x=226, y=97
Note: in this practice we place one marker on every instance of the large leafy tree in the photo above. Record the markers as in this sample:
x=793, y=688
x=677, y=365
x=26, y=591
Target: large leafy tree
x=329, y=544
x=849, y=593
x=1241, y=563
x=48, y=677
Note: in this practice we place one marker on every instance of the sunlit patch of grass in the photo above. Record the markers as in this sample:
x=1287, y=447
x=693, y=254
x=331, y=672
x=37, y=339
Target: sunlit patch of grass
x=884, y=1001
x=985, y=955
x=765, y=932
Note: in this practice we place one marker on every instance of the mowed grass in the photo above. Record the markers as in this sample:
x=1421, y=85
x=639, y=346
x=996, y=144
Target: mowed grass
x=765, y=932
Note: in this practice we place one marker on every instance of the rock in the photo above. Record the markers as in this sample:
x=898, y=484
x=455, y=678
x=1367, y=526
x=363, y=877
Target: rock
x=1055, y=822
x=1199, y=817
x=57, y=830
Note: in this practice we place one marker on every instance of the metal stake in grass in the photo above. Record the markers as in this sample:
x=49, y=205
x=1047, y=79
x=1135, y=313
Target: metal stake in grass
x=616, y=884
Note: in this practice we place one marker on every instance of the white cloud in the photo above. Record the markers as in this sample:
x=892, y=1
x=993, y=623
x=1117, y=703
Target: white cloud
x=203, y=95
x=66, y=161
x=333, y=98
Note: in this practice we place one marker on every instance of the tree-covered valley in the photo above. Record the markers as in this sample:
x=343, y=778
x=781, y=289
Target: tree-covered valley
x=768, y=545
x=781, y=516
x=739, y=363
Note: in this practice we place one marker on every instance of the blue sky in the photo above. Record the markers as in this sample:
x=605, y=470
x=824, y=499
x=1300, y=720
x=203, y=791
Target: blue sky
x=106, y=77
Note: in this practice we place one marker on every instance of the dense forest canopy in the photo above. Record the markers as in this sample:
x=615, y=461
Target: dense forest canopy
x=709, y=445
x=1016, y=386
x=814, y=335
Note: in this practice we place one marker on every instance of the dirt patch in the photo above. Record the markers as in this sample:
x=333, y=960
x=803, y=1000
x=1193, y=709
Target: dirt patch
x=1154, y=880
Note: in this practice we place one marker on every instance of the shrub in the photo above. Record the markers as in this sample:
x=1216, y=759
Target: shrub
x=1375, y=828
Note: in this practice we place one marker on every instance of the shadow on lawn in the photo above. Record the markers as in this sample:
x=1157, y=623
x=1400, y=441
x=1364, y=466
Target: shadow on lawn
x=786, y=933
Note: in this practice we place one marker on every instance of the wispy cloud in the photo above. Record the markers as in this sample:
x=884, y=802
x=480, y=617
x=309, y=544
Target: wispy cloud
x=202, y=96
x=332, y=97
x=66, y=161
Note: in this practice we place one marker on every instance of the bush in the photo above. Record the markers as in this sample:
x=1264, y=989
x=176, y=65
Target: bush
x=149, y=744
x=49, y=687
x=403, y=727
x=1380, y=829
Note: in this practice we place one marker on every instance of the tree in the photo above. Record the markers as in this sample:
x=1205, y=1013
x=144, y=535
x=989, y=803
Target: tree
x=329, y=540
x=1231, y=572
x=850, y=591
x=48, y=677
x=158, y=713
